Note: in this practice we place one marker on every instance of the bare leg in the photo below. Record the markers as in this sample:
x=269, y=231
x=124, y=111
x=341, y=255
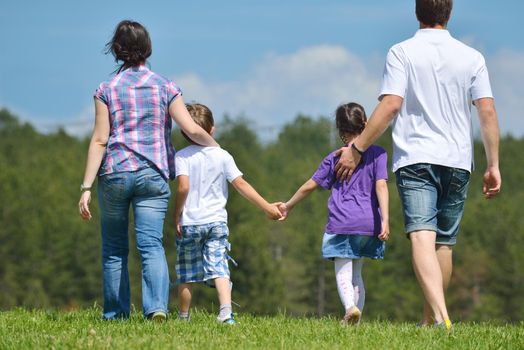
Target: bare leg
x=428, y=272
x=223, y=286
x=445, y=260
x=184, y=297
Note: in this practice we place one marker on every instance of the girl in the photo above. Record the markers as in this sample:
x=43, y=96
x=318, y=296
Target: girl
x=358, y=213
x=132, y=156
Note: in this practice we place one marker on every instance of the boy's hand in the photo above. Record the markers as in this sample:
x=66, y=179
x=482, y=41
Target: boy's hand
x=273, y=211
x=283, y=210
x=384, y=234
x=178, y=231
x=177, y=227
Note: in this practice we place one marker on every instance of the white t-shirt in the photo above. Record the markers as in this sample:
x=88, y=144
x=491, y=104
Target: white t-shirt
x=438, y=77
x=209, y=169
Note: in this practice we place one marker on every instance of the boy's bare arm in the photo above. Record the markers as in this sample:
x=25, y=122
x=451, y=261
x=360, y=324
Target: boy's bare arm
x=181, y=196
x=248, y=192
x=381, y=187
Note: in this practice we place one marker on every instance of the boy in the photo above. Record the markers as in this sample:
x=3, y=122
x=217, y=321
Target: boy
x=201, y=217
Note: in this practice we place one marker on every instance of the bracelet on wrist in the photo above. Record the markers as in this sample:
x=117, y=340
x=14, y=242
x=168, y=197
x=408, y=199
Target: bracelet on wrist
x=356, y=149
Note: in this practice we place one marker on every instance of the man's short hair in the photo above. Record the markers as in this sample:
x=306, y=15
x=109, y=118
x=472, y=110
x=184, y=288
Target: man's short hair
x=433, y=12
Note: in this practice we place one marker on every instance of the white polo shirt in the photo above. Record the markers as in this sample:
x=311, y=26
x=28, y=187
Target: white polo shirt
x=209, y=169
x=438, y=77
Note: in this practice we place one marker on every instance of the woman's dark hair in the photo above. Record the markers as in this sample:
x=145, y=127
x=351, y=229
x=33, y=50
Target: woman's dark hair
x=433, y=12
x=130, y=44
x=351, y=119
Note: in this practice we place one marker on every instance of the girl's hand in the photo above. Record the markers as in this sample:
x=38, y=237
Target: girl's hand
x=83, y=205
x=284, y=210
x=384, y=234
x=273, y=211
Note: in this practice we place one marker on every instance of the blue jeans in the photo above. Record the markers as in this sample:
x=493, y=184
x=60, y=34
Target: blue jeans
x=433, y=199
x=148, y=193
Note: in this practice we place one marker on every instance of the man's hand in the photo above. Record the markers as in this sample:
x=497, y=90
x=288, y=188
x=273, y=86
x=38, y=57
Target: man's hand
x=346, y=165
x=492, y=182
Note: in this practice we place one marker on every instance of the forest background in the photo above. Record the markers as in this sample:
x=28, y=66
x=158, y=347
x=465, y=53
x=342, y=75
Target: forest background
x=50, y=258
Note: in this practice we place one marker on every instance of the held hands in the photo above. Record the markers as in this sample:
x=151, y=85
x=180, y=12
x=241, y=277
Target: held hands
x=347, y=163
x=492, y=182
x=273, y=211
x=83, y=205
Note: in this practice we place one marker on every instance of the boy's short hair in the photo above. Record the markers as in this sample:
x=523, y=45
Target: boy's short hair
x=433, y=12
x=201, y=115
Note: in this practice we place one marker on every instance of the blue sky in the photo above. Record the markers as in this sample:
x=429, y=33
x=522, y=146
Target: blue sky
x=267, y=60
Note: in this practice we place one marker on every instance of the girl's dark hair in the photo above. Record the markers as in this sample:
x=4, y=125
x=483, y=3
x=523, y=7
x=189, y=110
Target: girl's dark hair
x=130, y=44
x=351, y=119
x=433, y=12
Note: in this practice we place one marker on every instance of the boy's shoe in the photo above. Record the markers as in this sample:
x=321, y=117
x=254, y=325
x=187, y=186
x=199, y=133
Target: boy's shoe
x=158, y=316
x=228, y=321
x=352, y=316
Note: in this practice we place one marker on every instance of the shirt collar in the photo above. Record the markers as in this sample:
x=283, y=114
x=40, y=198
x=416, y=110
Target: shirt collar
x=433, y=32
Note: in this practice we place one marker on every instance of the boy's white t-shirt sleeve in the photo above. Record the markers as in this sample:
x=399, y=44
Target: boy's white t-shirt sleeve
x=181, y=166
x=230, y=168
x=394, y=79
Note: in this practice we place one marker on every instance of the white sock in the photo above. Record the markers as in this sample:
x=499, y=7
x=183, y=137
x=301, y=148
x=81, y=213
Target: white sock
x=183, y=315
x=225, y=312
x=344, y=276
x=358, y=283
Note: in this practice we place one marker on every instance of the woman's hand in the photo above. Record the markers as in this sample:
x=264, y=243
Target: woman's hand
x=83, y=205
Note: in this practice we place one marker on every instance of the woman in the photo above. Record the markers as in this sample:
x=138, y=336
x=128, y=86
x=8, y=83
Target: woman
x=132, y=154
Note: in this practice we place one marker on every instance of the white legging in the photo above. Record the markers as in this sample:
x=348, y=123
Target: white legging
x=350, y=284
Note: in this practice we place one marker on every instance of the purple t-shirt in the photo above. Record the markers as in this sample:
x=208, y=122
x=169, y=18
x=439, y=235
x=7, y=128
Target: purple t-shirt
x=353, y=206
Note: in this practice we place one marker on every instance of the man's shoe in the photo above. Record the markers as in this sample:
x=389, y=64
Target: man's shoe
x=446, y=324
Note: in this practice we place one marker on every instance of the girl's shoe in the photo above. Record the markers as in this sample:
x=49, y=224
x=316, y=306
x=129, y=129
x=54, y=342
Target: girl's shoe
x=352, y=316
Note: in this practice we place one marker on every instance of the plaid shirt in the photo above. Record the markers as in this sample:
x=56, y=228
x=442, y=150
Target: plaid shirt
x=140, y=136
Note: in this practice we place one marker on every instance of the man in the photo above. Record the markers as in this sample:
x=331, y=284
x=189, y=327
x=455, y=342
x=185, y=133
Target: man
x=429, y=84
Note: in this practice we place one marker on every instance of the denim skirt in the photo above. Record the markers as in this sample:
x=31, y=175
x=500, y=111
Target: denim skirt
x=352, y=246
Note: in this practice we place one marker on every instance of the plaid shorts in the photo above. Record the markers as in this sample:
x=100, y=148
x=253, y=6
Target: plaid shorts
x=202, y=253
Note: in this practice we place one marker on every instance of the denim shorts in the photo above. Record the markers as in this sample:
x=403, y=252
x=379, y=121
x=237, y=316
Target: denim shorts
x=202, y=253
x=433, y=199
x=352, y=246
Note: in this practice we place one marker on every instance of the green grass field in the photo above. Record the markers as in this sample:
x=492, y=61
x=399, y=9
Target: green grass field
x=22, y=329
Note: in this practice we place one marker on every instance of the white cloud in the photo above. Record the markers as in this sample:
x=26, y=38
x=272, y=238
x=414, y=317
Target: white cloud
x=316, y=79
x=313, y=81
x=507, y=78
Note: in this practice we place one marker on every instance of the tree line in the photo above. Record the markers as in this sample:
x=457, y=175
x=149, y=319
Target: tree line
x=50, y=258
